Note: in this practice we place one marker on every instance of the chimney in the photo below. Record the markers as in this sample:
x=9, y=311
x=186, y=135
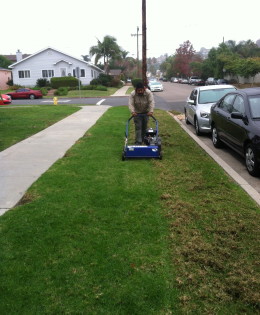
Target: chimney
x=19, y=55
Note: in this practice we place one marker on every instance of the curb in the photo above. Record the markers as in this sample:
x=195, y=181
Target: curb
x=237, y=178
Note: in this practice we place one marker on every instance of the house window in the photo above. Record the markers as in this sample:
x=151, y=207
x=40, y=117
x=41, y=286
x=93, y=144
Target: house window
x=47, y=73
x=92, y=73
x=24, y=74
x=81, y=73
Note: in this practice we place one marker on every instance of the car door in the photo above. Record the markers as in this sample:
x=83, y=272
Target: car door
x=237, y=127
x=222, y=115
x=191, y=105
x=21, y=93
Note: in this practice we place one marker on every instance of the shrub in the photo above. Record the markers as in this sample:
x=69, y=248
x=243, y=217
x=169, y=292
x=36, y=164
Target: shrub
x=135, y=81
x=62, y=91
x=64, y=81
x=116, y=83
x=44, y=91
x=10, y=82
x=94, y=82
x=101, y=88
x=88, y=87
x=42, y=82
x=103, y=79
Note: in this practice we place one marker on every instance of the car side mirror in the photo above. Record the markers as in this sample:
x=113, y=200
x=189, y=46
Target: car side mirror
x=237, y=115
x=192, y=102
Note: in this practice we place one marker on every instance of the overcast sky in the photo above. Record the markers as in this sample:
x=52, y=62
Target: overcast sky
x=73, y=27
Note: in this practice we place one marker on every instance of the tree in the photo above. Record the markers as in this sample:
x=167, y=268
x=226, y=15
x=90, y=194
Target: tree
x=86, y=58
x=4, y=62
x=183, y=57
x=106, y=50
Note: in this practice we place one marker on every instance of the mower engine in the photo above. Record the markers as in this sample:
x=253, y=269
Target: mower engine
x=151, y=137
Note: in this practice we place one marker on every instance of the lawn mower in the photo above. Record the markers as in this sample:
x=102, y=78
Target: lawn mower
x=151, y=147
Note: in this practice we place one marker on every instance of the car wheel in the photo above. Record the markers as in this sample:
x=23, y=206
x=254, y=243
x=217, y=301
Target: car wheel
x=186, y=119
x=215, y=138
x=251, y=161
x=32, y=97
x=197, y=127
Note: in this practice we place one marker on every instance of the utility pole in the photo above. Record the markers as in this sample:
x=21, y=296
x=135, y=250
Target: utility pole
x=137, y=54
x=144, y=66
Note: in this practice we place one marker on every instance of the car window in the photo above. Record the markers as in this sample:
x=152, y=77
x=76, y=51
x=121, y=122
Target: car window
x=212, y=96
x=254, y=103
x=226, y=103
x=239, y=105
x=193, y=95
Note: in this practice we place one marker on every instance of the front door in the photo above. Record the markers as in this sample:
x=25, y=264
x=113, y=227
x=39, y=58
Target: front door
x=63, y=72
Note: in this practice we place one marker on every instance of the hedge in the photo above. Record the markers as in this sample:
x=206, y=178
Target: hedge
x=64, y=81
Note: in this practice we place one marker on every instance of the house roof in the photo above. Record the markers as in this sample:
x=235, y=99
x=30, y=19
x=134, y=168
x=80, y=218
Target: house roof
x=63, y=60
x=13, y=57
x=115, y=72
x=4, y=69
x=30, y=56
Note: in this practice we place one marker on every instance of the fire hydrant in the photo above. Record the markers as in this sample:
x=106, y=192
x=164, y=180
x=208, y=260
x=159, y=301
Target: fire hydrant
x=55, y=100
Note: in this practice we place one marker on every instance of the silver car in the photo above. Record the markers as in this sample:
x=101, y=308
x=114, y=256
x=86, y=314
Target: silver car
x=198, y=104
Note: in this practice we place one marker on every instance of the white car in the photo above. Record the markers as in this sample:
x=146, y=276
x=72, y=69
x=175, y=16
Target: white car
x=198, y=105
x=155, y=86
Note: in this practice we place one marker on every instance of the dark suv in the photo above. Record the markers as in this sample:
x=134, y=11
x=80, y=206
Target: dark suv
x=235, y=121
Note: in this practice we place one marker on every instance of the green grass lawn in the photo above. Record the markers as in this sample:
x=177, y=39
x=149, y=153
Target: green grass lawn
x=96, y=235
x=17, y=124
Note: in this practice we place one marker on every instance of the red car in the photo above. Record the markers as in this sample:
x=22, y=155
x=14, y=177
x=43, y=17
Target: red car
x=5, y=99
x=25, y=93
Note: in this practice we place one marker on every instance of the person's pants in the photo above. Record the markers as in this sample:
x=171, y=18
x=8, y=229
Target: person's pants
x=140, y=128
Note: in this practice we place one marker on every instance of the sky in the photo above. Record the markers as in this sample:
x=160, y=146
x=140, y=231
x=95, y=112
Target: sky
x=73, y=27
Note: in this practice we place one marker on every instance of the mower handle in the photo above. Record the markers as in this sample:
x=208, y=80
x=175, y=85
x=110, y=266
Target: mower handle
x=142, y=115
x=127, y=124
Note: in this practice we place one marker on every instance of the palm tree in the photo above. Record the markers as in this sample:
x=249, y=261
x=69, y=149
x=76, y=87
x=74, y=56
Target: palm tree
x=106, y=50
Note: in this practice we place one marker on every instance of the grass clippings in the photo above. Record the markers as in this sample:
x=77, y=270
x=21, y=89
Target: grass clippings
x=102, y=236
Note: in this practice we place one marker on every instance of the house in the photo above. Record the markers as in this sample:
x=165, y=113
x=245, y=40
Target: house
x=5, y=75
x=116, y=73
x=49, y=63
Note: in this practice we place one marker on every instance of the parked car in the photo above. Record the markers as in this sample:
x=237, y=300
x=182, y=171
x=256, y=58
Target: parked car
x=200, y=82
x=184, y=81
x=193, y=80
x=222, y=81
x=155, y=86
x=198, y=104
x=25, y=93
x=5, y=99
x=211, y=81
x=235, y=121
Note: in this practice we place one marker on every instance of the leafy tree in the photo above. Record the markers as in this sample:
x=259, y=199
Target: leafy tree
x=107, y=49
x=86, y=58
x=4, y=62
x=249, y=67
x=183, y=57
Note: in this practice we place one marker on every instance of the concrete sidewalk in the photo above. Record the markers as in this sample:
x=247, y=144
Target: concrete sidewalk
x=23, y=163
x=122, y=91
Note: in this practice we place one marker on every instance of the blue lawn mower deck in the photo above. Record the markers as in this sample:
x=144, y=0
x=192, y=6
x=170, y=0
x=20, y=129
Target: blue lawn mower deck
x=151, y=148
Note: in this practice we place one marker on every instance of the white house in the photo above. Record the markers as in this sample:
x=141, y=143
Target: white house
x=49, y=63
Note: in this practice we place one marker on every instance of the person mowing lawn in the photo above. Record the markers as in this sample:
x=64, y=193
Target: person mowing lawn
x=141, y=101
